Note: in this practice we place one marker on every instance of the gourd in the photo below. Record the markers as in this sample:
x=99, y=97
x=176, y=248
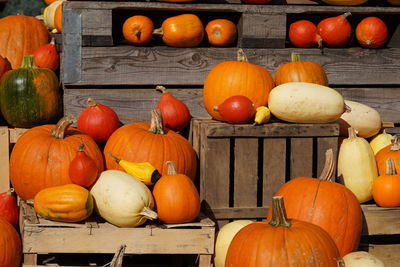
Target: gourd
x=10, y=245
x=176, y=197
x=362, y=259
x=372, y=32
x=30, y=96
x=8, y=207
x=138, y=29
x=386, y=188
x=389, y=151
x=151, y=143
x=65, y=203
x=221, y=32
x=302, y=102
x=300, y=71
x=335, y=31
x=282, y=242
x=357, y=166
x=239, y=77
x=327, y=204
x=236, y=109
x=224, y=238
x=380, y=141
x=20, y=36
x=41, y=157
x=303, y=33
x=47, y=57
x=363, y=118
x=82, y=169
x=122, y=200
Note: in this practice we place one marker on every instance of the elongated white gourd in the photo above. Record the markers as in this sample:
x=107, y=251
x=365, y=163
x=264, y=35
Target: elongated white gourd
x=305, y=103
x=357, y=166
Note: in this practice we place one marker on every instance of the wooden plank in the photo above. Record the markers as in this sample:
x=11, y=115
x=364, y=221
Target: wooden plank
x=245, y=172
x=240, y=213
x=97, y=23
x=301, y=157
x=4, y=159
x=323, y=144
x=274, y=173
x=15, y=133
x=388, y=253
x=395, y=40
x=381, y=221
x=130, y=65
x=205, y=260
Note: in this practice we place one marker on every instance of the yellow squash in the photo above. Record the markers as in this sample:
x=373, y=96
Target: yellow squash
x=381, y=140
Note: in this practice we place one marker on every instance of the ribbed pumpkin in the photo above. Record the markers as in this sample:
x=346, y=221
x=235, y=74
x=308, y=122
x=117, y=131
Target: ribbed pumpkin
x=282, y=242
x=30, y=96
x=238, y=77
x=20, y=36
x=64, y=203
x=10, y=245
x=300, y=71
x=390, y=151
x=327, y=204
x=141, y=142
x=177, y=199
x=42, y=155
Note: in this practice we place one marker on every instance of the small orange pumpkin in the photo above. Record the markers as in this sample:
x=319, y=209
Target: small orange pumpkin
x=184, y=30
x=138, y=30
x=372, y=32
x=386, y=187
x=390, y=151
x=221, y=32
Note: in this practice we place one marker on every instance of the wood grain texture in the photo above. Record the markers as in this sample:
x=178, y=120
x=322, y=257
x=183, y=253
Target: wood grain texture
x=381, y=221
x=4, y=159
x=388, y=253
x=301, y=157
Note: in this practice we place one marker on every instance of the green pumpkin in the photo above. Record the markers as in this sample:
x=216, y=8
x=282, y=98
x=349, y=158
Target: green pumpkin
x=30, y=96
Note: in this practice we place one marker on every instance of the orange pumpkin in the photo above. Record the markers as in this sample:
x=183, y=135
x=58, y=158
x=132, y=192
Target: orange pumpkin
x=184, y=30
x=42, y=155
x=386, y=188
x=5, y=65
x=144, y=142
x=300, y=71
x=390, y=151
x=48, y=2
x=372, y=32
x=176, y=197
x=239, y=77
x=138, y=30
x=21, y=36
x=282, y=242
x=58, y=18
x=327, y=204
x=221, y=32
x=10, y=245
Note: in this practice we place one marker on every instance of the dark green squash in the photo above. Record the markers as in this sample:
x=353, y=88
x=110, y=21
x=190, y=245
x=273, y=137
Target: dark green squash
x=30, y=96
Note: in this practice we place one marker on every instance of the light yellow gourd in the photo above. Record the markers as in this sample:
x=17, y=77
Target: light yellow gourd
x=49, y=13
x=362, y=259
x=305, y=103
x=357, y=166
x=122, y=200
x=380, y=141
x=224, y=238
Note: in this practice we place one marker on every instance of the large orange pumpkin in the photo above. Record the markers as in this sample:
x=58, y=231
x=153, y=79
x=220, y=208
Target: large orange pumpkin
x=390, y=151
x=21, y=36
x=41, y=157
x=327, y=204
x=144, y=142
x=282, y=242
x=10, y=245
x=239, y=77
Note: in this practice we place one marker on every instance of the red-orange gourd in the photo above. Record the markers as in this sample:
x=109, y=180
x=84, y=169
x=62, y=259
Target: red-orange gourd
x=82, y=169
x=335, y=31
x=386, y=187
x=144, y=142
x=21, y=36
x=390, y=151
x=47, y=57
x=236, y=109
x=327, y=204
x=42, y=155
x=239, y=77
x=300, y=71
x=177, y=199
x=8, y=207
x=304, y=34
x=5, y=65
x=282, y=242
x=138, y=30
x=175, y=114
x=10, y=245
x=221, y=32
x=372, y=32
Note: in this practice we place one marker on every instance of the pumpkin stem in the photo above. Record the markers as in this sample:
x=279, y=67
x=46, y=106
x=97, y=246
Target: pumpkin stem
x=347, y=108
x=27, y=62
x=395, y=144
x=91, y=102
x=148, y=213
x=390, y=168
x=352, y=132
x=241, y=56
x=62, y=125
x=137, y=33
x=156, y=123
x=115, y=157
x=345, y=15
x=171, y=168
x=279, y=217
x=10, y=191
x=53, y=40
x=161, y=89
x=158, y=31
x=295, y=57
x=81, y=147
x=329, y=167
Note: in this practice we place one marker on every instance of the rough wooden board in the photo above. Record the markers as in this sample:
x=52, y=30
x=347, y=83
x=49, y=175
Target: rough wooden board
x=240, y=213
x=4, y=159
x=395, y=40
x=301, y=157
x=381, y=221
x=323, y=144
x=130, y=65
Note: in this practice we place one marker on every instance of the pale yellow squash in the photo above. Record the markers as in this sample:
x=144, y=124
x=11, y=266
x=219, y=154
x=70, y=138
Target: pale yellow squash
x=357, y=166
x=380, y=141
x=364, y=119
x=362, y=259
x=302, y=102
x=49, y=13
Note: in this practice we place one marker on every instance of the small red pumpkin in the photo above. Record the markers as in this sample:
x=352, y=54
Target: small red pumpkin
x=236, y=109
x=82, y=169
x=46, y=56
x=98, y=121
x=304, y=34
x=5, y=65
x=335, y=31
x=8, y=207
x=372, y=32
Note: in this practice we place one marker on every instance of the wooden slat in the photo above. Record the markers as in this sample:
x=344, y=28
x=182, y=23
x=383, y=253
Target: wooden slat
x=323, y=144
x=4, y=160
x=240, y=213
x=301, y=157
x=381, y=221
x=388, y=253
x=97, y=23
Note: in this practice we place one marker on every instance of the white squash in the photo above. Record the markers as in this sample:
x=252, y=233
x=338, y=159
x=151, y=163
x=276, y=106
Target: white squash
x=380, y=141
x=49, y=13
x=366, y=120
x=122, y=200
x=362, y=259
x=357, y=166
x=305, y=103
x=224, y=238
